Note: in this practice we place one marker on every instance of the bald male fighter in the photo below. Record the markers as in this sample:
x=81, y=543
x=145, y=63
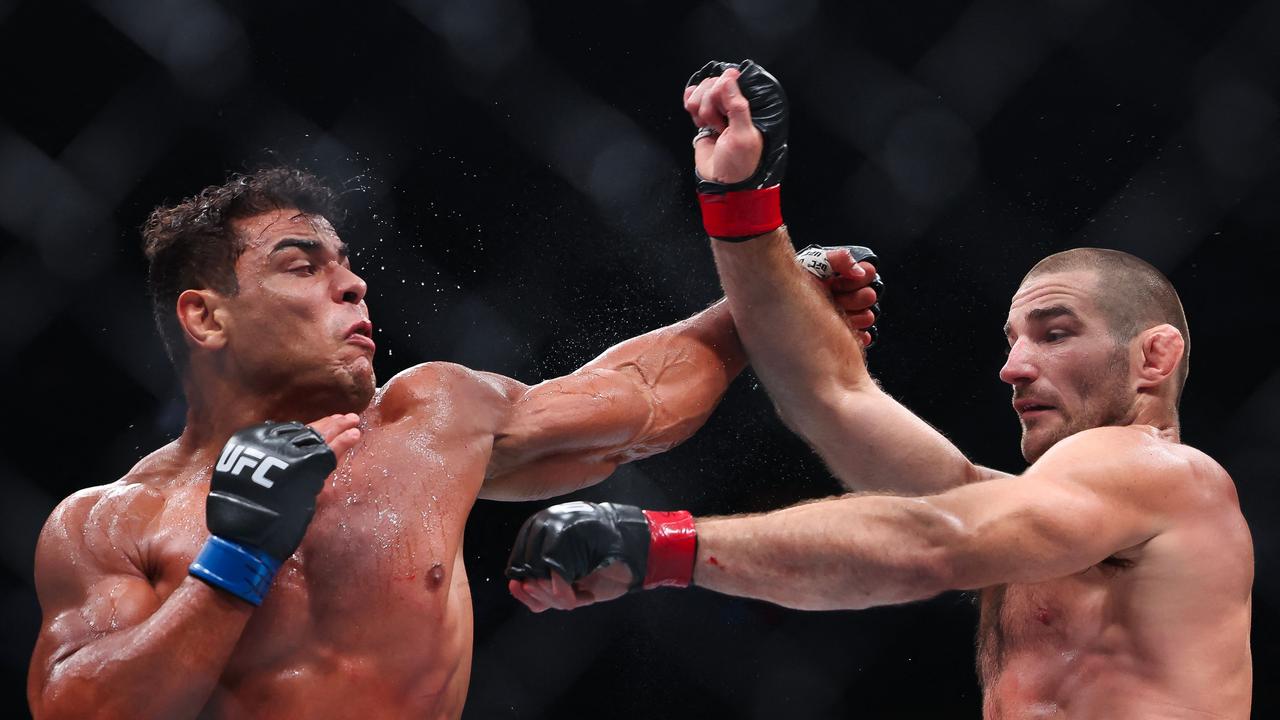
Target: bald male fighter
x=1114, y=573
x=237, y=578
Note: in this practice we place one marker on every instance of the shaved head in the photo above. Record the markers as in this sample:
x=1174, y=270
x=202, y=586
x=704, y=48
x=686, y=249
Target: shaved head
x=1132, y=294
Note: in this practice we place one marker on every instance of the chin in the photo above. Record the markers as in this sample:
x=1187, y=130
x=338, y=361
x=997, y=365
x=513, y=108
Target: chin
x=353, y=388
x=1037, y=442
x=1031, y=451
x=361, y=390
x=365, y=395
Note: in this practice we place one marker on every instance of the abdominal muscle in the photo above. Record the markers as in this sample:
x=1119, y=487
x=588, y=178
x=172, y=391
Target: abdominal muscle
x=398, y=660
x=1055, y=683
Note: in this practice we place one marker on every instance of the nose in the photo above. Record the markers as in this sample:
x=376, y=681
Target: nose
x=1018, y=367
x=348, y=287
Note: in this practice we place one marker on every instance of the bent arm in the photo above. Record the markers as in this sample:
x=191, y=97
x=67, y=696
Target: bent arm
x=814, y=369
x=108, y=647
x=639, y=398
x=1077, y=506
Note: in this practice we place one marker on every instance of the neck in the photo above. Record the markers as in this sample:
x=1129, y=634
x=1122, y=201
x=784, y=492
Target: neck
x=1160, y=414
x=218, y=407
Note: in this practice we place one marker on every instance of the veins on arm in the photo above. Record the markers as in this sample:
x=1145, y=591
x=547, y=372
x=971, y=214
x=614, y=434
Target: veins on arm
x=640, y=397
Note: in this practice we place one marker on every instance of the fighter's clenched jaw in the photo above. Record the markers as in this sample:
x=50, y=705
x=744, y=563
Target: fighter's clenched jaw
x=299, y=319
x=1068, y=371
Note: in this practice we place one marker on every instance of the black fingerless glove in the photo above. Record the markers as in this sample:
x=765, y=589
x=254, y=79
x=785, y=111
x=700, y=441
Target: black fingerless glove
x=261, y=500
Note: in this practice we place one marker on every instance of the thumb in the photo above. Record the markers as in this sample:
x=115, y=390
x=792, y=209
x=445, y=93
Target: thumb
x=843, y=264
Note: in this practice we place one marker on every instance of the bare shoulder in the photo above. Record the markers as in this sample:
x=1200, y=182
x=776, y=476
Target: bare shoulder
x=439, y=385
x=89, y=569
x=1144, y=461
x=97, y=530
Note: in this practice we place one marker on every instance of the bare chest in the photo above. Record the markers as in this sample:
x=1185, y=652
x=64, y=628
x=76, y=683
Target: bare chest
x=392, y=515
x=1034, y=635
x=379, y=572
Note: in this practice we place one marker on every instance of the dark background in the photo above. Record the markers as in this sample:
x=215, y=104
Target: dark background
x=520, y=195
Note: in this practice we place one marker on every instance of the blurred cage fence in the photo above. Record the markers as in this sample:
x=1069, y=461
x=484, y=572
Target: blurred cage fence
x=518, y=180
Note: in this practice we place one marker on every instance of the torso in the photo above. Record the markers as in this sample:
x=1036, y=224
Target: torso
x=374, y=609
x=1157, y=631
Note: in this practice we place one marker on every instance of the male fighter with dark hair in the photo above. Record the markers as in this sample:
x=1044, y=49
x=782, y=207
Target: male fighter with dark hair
x=151, y=585
x=1115, y=572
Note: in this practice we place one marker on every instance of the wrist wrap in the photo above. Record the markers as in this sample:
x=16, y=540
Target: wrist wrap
x=742, y=214
x=241, y=570
x=673, y=548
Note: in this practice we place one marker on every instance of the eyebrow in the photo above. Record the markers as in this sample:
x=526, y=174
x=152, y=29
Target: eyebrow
x=308, y=245
x=1046, y=313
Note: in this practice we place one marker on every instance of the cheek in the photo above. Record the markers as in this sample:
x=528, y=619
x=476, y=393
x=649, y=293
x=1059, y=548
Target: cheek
x=1070, y=372
x=1099, y=370
x=286, y=303
x=279, y=321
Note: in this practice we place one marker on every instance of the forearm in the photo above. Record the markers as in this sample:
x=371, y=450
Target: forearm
x=814, y=369
x=644, y=395
x=705, y=346
x=641, y=397
x=686, y=368
x=847, y=553
x=164, y=667
x=797, y=341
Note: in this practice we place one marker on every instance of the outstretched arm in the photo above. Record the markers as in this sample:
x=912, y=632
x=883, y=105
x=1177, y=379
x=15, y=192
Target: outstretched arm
x=1093, y=495
x=638, y=398
x=811, y=363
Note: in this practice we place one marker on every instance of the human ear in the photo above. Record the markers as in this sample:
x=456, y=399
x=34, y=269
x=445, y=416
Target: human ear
x=198, y=316
x=1161, y=348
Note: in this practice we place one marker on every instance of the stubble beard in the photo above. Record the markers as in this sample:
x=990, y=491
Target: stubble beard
x=1108, y=401
x=358, y=387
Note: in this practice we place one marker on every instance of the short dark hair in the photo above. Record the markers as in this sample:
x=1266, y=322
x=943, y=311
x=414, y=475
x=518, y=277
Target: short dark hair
x=1132, y=293
x=194, y=245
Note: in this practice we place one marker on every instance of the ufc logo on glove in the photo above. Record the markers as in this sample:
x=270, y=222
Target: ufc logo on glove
x=240, y=457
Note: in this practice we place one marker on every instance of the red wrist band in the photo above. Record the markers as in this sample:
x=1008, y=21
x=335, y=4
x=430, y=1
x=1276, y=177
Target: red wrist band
x=742, y=214
x=673, y=547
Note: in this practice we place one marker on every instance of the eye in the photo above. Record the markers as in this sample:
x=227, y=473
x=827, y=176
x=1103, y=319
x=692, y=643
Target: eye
x=1056, y=335
x=303, y=269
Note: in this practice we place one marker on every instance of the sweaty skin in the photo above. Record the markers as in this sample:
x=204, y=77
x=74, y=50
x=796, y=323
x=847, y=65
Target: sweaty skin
x=1114, y=574
x=372, y=614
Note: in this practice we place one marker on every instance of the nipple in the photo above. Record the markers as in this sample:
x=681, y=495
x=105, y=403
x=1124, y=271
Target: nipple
x=435, y=576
